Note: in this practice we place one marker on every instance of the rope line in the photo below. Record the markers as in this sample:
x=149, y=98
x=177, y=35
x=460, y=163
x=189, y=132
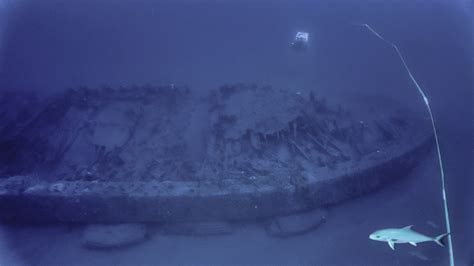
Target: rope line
x=425, y=99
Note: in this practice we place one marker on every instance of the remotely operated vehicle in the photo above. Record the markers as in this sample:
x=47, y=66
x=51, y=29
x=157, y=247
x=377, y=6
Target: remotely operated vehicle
x=301, y=41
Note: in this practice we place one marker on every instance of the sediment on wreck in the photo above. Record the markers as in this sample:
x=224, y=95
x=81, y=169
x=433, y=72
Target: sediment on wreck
x=252, y=152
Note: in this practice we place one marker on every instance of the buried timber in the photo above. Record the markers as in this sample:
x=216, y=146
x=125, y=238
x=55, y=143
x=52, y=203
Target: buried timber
x=161, y=154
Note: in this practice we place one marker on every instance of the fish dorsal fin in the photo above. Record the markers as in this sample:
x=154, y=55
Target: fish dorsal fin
x=407, y=227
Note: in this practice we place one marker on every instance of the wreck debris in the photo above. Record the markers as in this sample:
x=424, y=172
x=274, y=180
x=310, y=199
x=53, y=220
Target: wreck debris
x=300, y=150
x=296, y=224
x=112, y=236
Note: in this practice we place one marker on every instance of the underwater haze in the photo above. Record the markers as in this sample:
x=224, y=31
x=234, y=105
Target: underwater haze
x=53, y=48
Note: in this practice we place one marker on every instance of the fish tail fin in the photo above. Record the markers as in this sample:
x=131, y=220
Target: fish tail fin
x=440, y=240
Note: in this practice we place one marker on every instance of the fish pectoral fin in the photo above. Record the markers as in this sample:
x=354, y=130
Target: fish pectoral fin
x=391, y=244
x=412, y=243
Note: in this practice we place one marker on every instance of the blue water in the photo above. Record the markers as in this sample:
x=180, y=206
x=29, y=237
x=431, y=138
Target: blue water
x=49, y=46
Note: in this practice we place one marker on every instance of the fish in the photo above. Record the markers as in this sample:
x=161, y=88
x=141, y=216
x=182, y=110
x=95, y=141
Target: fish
x=419, y=255
x=432, y=224
x=405, y=235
